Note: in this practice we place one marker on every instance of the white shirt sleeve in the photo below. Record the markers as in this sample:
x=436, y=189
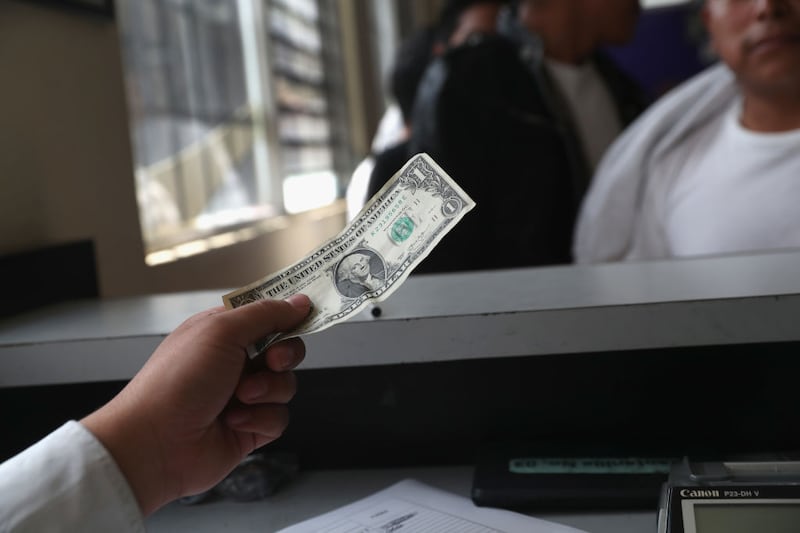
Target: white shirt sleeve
x=66, y=482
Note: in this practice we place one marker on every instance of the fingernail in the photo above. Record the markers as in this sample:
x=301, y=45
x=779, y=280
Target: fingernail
x=288, y=359
x=300, y=301
x=284, y=356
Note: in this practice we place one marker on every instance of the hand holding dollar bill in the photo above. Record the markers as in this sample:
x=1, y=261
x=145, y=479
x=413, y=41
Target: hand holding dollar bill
x=373, y=255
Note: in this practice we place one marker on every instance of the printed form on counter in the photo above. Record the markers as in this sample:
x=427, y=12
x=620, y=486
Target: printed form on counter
x=413, y=507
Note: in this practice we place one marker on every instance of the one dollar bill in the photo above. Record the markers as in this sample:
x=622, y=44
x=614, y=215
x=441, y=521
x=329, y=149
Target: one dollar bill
x=372, y=256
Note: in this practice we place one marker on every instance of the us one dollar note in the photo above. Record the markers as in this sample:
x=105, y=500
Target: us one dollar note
x=372, y=256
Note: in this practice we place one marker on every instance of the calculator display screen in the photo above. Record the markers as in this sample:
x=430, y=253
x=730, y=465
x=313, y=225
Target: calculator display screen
x=747, y=518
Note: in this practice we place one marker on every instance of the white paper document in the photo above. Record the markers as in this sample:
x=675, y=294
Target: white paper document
x=412, y=507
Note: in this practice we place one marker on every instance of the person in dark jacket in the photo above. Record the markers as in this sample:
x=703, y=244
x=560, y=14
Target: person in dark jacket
x=495, y=115
x=411, y=60
x=457, y=20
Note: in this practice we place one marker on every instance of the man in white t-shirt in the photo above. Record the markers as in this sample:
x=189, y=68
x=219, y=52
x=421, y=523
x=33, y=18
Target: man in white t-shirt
x=714, y=168
x=570, y=34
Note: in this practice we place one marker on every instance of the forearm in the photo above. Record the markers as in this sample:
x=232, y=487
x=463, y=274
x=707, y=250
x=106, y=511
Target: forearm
x=134, y=448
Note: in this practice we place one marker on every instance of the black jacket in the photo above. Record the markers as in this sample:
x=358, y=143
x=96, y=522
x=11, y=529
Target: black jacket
x=489, y=117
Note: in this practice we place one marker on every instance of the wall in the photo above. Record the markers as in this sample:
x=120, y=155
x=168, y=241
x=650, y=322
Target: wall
x=668, y=48
x=66, y=168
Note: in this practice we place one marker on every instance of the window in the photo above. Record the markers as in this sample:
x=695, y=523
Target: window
x=231, y=104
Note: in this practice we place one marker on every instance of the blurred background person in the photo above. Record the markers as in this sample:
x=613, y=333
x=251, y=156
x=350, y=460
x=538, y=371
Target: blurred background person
x=460, y=19
x=390, y=131
x=457, y=20
x=507, y=116
x=410, y=62
x=590, y=96
x=713, y=168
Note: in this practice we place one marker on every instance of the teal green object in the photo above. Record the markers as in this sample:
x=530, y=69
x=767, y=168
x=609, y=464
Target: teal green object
x=590, y=465
x=402, y=229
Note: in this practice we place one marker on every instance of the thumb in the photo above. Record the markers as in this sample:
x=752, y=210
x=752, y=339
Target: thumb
x=252, y=322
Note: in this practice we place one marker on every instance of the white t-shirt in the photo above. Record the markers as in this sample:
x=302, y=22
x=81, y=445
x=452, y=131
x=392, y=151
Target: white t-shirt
x=729, y=190
x=66, y=482
x=591, y=105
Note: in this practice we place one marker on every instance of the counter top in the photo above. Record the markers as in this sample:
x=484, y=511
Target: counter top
x=570, y=309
